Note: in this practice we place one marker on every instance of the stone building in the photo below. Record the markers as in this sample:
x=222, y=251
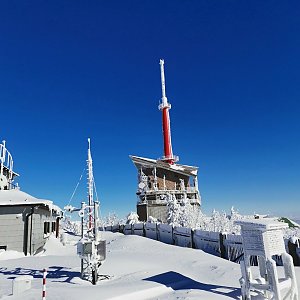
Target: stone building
x=156, y=179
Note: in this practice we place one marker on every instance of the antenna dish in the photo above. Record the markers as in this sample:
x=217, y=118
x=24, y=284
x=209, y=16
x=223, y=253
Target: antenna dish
x=142, y=185
x=3, y=181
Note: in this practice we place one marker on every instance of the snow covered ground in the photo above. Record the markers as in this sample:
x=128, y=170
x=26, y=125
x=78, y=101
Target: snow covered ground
x=140, y=268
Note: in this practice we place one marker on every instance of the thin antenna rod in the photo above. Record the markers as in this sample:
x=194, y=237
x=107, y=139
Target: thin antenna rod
x=163, y=83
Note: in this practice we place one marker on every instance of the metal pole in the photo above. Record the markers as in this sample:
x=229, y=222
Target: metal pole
x=44, y=284
x=90, y=181
x=96, y=207
x=163, y=85
x=81, y=261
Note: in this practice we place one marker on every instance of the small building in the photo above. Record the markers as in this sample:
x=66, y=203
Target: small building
x=156, y=179
x=25, y=221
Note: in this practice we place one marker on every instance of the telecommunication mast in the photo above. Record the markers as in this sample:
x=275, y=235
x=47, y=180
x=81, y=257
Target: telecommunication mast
x=165, y=106
x=163, y=178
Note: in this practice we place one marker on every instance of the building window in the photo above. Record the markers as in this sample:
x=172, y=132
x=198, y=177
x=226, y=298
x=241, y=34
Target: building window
x=46, y=229
x=53, y=226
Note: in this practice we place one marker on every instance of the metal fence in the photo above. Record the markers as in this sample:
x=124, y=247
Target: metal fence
x=227, y=246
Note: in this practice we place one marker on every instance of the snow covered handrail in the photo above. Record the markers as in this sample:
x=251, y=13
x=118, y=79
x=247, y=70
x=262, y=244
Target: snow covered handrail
x=6, y=158
x=6, y=167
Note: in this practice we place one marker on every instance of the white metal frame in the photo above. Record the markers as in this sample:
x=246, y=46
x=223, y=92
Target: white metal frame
x=6, y=161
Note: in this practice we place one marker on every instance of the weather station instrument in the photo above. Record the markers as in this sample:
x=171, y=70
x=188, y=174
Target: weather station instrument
x=91, y=248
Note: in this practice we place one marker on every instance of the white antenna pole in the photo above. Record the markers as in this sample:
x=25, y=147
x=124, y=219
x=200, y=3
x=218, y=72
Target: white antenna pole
x=90, y=174
x=90, y=182
x=163, y=85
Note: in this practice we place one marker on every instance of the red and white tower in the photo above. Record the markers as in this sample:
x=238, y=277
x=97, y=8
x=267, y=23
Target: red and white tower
x=161, y=180
x=164, y=106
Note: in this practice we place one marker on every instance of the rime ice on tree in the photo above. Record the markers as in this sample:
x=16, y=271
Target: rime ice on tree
x=157, y=178
x=263, y=238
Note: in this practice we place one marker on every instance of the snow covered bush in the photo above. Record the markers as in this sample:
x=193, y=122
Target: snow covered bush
x=173, y=208
x=132, y=218
x=71, y=226
x=291, y=232
x=111, y=219
x=182, y=213
x=152, y=220
x=221, y=222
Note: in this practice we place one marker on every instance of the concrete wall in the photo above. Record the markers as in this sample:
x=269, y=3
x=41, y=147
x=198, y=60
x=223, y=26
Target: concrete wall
x=158, y=211
x=14, y=230
x=38, y=239
x=12, y=227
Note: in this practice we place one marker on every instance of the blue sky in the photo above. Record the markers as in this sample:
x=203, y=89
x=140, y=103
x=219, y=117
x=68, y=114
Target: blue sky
x=76, y=69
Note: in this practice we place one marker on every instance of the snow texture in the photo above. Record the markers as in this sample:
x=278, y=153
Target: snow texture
x=17, y=197
x=140, y=268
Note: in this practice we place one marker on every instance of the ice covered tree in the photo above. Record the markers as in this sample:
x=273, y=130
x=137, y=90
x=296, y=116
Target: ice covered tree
x=189, y=215
x=173, y=208
x=132, y=218
x=111, y=219
x=185, y=213
x=152, y=220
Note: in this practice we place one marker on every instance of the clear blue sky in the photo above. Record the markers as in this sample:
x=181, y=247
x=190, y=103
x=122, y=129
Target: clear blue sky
x=76, y=69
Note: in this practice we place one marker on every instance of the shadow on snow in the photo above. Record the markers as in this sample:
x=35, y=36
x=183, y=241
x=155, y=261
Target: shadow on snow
x=54, y=272
x=178, y=281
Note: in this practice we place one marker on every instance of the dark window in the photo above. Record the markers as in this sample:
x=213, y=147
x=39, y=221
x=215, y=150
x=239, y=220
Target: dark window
x=53, y=226
x=3, y=248
x=46, y=227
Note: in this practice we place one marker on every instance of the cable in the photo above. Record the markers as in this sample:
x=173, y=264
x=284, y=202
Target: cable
x=76, y=186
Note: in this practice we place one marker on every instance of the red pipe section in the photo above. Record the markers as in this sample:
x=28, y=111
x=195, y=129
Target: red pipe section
x=167, y=136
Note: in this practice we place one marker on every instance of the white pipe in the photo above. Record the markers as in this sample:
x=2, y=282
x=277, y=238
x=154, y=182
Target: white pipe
x=163, y=84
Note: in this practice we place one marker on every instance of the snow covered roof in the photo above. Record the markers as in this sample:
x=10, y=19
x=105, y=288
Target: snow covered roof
x=148, y=162
x=263, y=224
x=17, y=197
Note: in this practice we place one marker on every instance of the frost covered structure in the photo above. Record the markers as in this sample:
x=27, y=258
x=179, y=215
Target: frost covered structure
x=264, y=239
x=25, y=221
x=158, y=179
x=91, y=248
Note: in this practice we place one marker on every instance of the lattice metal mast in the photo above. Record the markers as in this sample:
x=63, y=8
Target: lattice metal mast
x=91, y=248
x=165, y=107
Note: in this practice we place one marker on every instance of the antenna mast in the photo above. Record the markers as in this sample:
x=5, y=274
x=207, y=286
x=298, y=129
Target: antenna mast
x=90, y=181
x=90, y=174
x=165, y=107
